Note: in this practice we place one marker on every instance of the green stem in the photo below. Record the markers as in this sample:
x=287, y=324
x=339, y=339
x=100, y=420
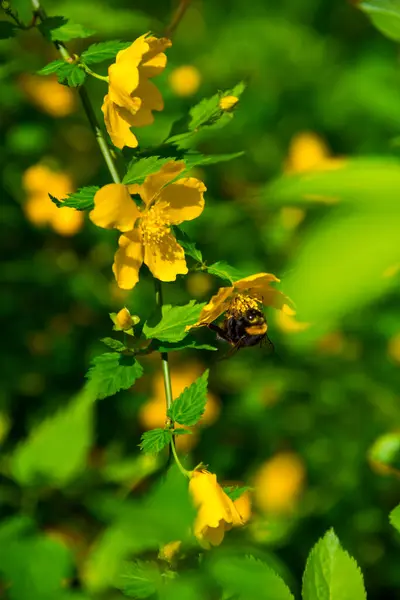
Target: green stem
x=104, y=149
x=93, y=74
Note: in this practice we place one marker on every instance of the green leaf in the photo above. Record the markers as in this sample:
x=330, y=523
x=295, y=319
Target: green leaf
x=56, y=449
x=331, y=573
x=189, y=407
x=7, y=30
x=60, y=29
x=187, y=244
x=359, y=181
x=97, y=53
x=155, y=440
x=83, y=199
x=337, y=268
x=52, y=67
x=173, y=322
x=195, y=160
x=76, y=77
x=111, y=372
x=183, y=345
x=141, y=527
x=385, y=15
x=222, y=270
x=234, y=492
x=114, y=344
x=208, y=113
x=386, y=450
x=139, y=579
x=249, y=578
x=394, y=518
x=64, y=72
x=138, y=170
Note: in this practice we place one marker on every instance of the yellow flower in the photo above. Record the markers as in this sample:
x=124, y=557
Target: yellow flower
x=185, y=80
x=38, y=182
x=146, y=234
x=245, y=293
x=123, y=319
x=278, y=483
x=216, y=513
x=393, y=348
x=308, y=152
x=131, y=96
x=152, y=414
x=287, y=322
x=170, y=550
x=228, y=103
x=50, y=96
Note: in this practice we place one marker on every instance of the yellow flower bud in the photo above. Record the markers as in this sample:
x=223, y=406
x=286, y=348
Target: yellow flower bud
x=228, y=103
x=123, y=319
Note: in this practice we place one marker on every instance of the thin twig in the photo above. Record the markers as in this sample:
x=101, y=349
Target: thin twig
x=177, y=17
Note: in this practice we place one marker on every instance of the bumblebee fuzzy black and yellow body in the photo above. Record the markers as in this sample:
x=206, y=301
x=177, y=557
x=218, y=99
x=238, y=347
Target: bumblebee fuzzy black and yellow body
x=248, y=329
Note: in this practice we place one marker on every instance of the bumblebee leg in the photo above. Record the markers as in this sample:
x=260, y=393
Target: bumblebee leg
x=233, y=350
x=220, y=332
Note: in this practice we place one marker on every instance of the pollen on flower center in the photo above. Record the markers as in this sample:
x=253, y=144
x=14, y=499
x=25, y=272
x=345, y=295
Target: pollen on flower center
x=154, y=226
x=241, y=304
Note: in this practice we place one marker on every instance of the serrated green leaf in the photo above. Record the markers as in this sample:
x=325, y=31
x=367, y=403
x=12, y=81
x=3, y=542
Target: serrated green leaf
x=224, y=271
x=7, y=30
x=173, y=322
x=385, y=15
x=208, y=112
x=114, y=344
x=182, y=431
x=394, y=518
x=111, y=372
x=331, y=573
x=138, y=170
x=52, y=67
x=189, y=407
x=155, y=440
x=249, y=578
x=83, y=199
x=101, y=51
x=139, y=579
x=60, y=29
x=187, y=244
x=183, y=345
x=234, y=492
x=64, y=71
x=56, y=449
x=76, y=77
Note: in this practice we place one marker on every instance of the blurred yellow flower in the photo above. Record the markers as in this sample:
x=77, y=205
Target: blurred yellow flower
x=308, y=152
x=228, y=103
x=216, y=513
x=287, y=322
x=292, y=216
x=185, y=80
x=146, y=233
x=170, y=550
x=38, y=181
x=131, y=96
x=391, y=271
x=278, y=483
x=244, y=293
x=152, y=414
x=199, y=284
x=47, y=94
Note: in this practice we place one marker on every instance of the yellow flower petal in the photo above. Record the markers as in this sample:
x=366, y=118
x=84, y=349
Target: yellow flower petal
x=153, y=183
x=154, y=61
x=124, y=73
x=114, y=208
x=165, y=258
x=117, y=124
x=184, y=200
x=259, y=284
x=67, y=221
x=123, y=319
x=217, y=305
x=128, y=259
x=228, y=103
x=37, y=210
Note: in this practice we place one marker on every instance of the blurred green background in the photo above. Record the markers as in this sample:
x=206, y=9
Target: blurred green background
x=322, y=85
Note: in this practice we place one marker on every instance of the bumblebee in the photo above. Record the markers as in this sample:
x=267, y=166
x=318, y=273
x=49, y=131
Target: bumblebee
x=243, y=328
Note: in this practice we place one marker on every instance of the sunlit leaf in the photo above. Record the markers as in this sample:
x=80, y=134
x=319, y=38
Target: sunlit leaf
x=189, y=407
x=155, y=440
x=103, y=51
x=139, y=579
x=173, y=322
x=331, y=573
x=111, y=372
x=138, y=170
x=385, y=15
x=394, y=518
x=386, y=450
x=83, y=199
x=62, y=29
